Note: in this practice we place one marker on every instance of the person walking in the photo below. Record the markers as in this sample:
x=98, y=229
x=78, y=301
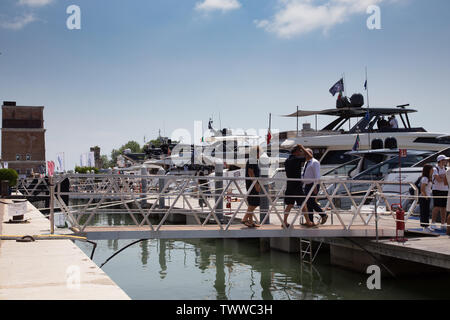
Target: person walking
x=425, y=195
x=253, y=171
x=294, y=189
x=311, y=174
x=440, y=191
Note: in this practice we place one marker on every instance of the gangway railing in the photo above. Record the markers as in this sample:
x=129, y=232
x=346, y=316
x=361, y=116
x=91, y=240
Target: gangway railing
x=150, y=200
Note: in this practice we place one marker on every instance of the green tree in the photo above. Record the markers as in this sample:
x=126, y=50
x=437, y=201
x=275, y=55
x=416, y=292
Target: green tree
x=85, y=169
x=132, y=145
x=105, y=161
x=10, y=175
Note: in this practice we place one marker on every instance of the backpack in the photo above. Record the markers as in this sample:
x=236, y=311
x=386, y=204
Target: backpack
x=417, y=184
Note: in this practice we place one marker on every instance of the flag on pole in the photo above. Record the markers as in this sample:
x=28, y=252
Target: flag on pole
x=269, y=137
x=50, y=168
x=91, y=159
x=356, y=145
x=337, y=87
x=60, y=162
x=365, y=85
x=367, y=116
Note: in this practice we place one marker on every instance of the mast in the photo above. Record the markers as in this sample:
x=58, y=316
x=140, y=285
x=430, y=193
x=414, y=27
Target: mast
x=368, y=110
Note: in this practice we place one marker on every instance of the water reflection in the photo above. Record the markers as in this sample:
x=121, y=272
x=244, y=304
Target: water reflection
x=219, y=284
x=237, y=269
x=144, y=252
x=162, y=258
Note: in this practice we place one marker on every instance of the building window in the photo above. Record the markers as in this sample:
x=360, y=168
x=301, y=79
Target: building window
x=28, y=157
x=17, y=157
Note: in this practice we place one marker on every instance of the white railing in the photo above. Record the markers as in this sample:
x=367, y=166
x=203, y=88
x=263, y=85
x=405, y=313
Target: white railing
x=146, y=198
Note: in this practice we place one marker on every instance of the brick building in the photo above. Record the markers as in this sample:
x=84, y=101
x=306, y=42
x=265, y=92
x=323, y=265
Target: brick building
x=23, y=138
x=97, y=157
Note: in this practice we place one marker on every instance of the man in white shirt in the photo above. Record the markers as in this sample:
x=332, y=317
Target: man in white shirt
x=440, y=191
x=393, y=122
x=311, y=174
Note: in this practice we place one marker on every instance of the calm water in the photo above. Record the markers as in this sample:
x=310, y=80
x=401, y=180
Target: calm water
x=236, y=269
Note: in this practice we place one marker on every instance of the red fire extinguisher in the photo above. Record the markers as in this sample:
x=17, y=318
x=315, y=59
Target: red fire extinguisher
x=400, y=222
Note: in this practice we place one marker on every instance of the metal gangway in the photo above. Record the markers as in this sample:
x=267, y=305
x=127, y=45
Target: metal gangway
x=214, y=205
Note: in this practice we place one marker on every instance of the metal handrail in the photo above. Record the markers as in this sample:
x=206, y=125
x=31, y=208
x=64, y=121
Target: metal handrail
x=188, y=186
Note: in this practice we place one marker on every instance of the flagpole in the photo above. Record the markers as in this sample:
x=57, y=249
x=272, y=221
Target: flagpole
x=297, y=121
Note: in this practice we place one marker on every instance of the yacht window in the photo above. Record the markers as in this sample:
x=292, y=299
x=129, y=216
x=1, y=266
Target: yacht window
x=336, y=157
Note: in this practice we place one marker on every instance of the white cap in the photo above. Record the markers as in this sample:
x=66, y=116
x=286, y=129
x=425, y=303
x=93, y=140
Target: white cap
x=441, y=157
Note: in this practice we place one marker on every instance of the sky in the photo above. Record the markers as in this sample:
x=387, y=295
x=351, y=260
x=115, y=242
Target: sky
x=136, y=67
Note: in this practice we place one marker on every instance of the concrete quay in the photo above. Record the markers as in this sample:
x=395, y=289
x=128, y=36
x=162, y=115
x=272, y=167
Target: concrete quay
x=53, y=269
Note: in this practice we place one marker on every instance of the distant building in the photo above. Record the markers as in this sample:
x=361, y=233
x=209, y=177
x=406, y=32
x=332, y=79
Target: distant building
x=23, y=138
x=97, y=157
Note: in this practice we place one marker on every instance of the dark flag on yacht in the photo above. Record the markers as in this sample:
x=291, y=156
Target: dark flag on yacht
x=338, y=87
x=356, y=145
x=365, y=85
x=210, y=125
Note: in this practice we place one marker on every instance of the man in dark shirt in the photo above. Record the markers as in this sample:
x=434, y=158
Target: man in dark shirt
x=253, y=199
x=294, y=189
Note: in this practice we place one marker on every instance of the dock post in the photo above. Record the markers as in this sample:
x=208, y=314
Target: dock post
x=144, y=186
x=52, y=204
x=162, y=203
x=264, y=204
x=218, y=190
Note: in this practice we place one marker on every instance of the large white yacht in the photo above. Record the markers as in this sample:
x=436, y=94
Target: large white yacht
x=331, y=143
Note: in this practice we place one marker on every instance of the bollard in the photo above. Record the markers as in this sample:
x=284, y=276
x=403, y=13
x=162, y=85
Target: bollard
x=218, y=191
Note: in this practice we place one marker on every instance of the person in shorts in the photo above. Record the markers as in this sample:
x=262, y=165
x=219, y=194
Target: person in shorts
x=440, y=191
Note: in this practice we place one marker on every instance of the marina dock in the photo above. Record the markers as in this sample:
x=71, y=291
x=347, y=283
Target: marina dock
x=48, y=269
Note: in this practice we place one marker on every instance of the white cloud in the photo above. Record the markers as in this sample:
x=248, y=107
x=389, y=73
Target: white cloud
x=214, y=5
x=296, y=17
x=18, y=22
x=35, y=3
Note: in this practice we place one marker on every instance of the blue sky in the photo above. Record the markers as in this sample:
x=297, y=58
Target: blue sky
x=139, y=66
